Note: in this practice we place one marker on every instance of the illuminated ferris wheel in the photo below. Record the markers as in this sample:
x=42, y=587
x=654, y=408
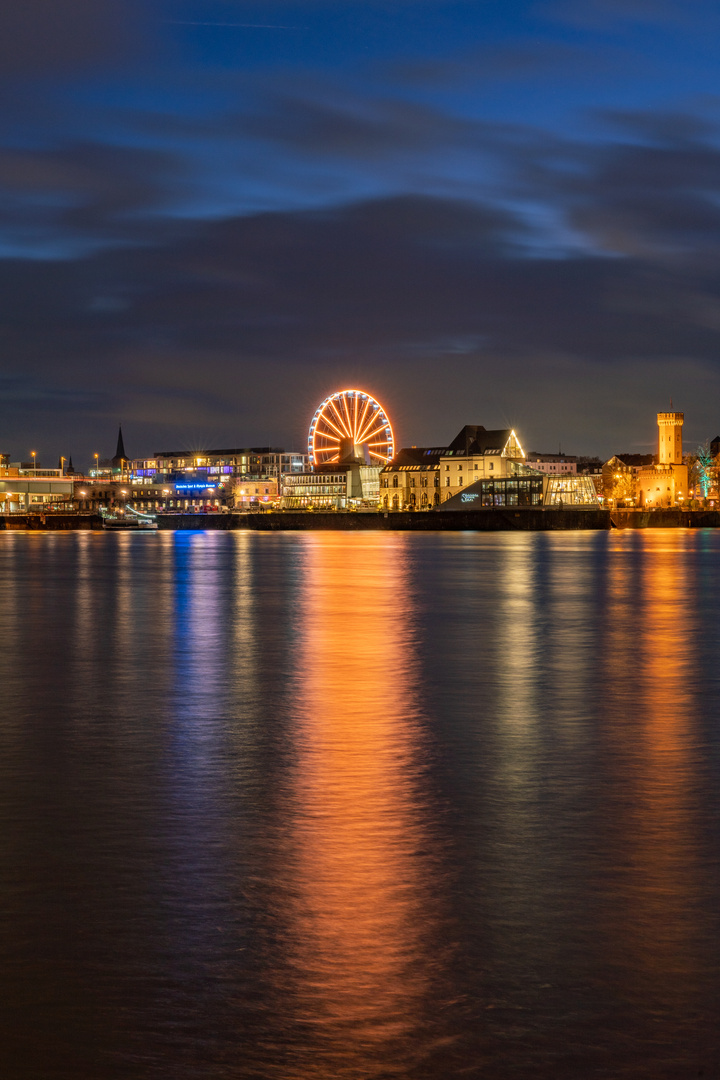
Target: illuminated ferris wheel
x=349, y=422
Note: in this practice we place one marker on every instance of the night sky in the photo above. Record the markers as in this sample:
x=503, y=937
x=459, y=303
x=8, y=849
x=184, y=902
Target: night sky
x=215, y=213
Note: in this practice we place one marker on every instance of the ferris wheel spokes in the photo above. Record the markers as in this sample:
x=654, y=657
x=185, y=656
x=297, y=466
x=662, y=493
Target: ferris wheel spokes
x=352, y=417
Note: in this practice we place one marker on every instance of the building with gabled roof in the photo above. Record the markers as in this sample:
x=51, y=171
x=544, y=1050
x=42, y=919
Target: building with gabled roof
x=412, y=478
x=476, y=453
x=422, y=477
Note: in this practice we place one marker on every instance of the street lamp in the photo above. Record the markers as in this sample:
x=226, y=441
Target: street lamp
x=96, y=456
x=32, y=453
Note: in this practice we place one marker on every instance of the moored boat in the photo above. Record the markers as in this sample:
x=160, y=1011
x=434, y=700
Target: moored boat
x=131, y=519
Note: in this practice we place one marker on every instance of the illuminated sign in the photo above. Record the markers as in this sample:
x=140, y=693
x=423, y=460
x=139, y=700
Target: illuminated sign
x=195, y=487
x=465, y=497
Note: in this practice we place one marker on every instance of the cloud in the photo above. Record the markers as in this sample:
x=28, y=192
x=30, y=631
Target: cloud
x=364, y=129
x=83, y=194
x=533, y=61
x=496, y=272
x=55, y=36
x=650, y=199
x=604, y=14
x=255, y=316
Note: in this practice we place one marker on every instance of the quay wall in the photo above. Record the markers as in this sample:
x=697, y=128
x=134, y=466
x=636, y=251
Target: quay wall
x=490, y=520
x=50, y=522
x=669, y=518
x=498, y=519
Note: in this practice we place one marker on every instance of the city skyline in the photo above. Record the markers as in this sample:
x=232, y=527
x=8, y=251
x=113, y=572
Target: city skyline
x=216, y=213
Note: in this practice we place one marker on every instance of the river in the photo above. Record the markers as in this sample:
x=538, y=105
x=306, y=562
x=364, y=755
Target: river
x=305, y=806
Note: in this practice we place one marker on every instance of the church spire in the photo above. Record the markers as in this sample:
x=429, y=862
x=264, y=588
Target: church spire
x=120, y=452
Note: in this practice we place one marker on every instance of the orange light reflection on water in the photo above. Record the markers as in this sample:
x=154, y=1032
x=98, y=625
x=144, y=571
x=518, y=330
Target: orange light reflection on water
x=658, y=884
x=360, y=884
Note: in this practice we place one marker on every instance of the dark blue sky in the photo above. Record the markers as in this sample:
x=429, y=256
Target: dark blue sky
x=217, y=212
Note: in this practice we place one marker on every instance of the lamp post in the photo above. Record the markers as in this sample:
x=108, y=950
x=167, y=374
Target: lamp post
x=96, y=456
x=32, y=454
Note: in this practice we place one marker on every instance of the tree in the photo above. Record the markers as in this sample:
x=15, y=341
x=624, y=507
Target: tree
x=704, y=469
x=623, y=487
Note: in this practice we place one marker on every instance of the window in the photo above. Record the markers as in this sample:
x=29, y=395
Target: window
x=395, y=481
x=460, y=479
x=447, y=481
x=491, y=466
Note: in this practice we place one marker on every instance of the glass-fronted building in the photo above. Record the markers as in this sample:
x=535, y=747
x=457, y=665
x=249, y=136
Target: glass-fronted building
x=527, y=489
x=332, y=487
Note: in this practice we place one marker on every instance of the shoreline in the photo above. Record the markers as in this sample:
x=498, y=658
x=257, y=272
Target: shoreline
x=492, y=519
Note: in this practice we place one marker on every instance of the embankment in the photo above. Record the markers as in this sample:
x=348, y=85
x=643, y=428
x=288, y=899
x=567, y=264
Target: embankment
x=670, y=518
x=496, y=519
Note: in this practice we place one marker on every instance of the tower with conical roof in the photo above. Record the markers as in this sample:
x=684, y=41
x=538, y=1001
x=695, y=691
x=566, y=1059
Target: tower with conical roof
x=119, y=462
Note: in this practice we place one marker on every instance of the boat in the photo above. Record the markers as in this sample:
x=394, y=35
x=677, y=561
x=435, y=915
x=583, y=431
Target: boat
x=131, y=519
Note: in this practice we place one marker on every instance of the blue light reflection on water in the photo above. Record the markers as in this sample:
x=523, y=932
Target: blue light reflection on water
x=327, y=804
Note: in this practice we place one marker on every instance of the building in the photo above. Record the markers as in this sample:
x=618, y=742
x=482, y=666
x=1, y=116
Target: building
x=93, y=494
x=412, y=479
x=248, y=493
x=29, y=488
x=342, y=485
x=527, y=488
x=474, y=453
x=552, y=463
x=186, y=481
x=666, y=483
x=237, y=478
x=264, y=461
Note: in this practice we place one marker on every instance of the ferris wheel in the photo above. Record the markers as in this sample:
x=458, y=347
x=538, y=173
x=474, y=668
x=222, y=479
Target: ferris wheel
x=348, y=422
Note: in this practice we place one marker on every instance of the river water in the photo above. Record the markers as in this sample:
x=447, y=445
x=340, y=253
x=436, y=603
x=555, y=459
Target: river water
x=334, y=805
